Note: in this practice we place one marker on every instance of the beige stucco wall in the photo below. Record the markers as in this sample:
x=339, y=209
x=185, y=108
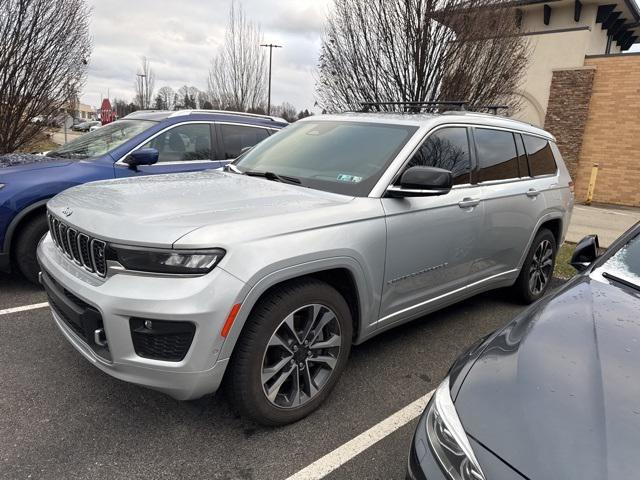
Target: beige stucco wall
x=550, y=51
x=556, y=51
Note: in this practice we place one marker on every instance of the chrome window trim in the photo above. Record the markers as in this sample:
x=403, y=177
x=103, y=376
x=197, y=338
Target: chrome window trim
x=195, y=111
x=394, y=188
x=414, y=143
x=225, y=122
x=515, y=180
x=120, y=161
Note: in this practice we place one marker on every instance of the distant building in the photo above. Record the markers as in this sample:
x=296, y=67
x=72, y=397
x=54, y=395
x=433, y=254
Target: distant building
x=80, y=111
x=582, y=88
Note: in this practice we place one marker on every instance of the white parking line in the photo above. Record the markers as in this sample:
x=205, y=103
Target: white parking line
x=341, y=455
x=606, y=210
x=23, y=308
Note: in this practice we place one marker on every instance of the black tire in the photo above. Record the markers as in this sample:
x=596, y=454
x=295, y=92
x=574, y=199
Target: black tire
x=524, y=286
x=244, y=378
x=26, y=244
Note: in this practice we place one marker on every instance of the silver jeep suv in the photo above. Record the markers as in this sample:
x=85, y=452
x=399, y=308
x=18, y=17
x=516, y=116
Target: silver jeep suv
x=330, y=232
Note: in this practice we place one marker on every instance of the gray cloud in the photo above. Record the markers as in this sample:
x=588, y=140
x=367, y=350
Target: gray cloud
x=180, y=38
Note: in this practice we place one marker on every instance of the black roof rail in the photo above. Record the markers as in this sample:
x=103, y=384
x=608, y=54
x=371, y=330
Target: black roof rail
x=461, y=105
x=494, y=108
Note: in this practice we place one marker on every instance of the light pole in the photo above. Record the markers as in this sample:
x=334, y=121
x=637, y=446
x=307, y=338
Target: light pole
x=271, y=46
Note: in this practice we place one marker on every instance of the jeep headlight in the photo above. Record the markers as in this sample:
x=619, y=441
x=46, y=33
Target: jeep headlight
x=2, y=186
x=448, y=440
x=194, y=262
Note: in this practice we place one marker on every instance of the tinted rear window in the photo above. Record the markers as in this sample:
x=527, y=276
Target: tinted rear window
x=541, y=161
x=496, y=154
x=237, y=137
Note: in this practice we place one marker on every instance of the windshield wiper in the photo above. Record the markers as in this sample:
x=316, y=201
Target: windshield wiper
x=273, y=176
x=624, y=282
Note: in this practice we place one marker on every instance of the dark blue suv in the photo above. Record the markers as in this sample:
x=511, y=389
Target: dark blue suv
x=142, y=143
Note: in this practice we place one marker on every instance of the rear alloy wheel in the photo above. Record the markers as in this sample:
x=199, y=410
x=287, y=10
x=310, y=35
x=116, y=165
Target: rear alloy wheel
x=537, y=270
x=541, y=267
x=291, y=352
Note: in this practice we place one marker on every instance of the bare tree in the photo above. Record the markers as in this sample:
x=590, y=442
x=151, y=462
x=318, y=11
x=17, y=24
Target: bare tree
x=286, y=111
x=122, y=108
x=144, y=84
x=203, y=100
x=237, y=77
x=44, y=50
x=420, y=50
x=304, y=114
x=186, y=96
x=166, y=95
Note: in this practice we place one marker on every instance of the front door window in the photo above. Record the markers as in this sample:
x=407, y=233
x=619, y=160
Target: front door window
x=183, y=143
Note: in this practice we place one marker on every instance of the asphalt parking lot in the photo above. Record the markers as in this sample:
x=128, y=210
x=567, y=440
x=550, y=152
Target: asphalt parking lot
x=60, y=417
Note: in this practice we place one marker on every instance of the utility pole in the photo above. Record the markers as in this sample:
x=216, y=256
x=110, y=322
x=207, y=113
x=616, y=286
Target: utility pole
x=271, y=46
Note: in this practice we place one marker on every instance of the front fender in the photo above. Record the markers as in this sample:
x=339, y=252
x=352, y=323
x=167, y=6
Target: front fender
x=369, y=303
x=8, y=234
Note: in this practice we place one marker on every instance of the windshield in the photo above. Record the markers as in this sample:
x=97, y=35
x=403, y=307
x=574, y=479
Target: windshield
x=335, y=156
x=102, y=140
x=625, y=264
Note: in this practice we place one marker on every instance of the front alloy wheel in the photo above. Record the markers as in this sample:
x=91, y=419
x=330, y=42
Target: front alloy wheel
x=291, y=352
x=301, y=356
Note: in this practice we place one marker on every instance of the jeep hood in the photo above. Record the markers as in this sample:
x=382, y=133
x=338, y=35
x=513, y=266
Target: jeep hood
x=158, y=210
x=557, y=393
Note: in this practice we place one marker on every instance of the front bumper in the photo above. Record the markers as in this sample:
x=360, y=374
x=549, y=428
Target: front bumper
x=204, y=301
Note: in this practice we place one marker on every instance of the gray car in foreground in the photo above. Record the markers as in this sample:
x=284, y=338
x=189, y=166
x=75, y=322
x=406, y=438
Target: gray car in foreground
x=555, y=393
x=322, y=236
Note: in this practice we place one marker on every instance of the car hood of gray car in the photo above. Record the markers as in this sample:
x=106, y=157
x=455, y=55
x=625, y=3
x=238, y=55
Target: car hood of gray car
x=557, y=393
x=158, y=210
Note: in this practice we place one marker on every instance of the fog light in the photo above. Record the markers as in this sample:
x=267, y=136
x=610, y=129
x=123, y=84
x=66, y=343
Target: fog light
x=148, y=324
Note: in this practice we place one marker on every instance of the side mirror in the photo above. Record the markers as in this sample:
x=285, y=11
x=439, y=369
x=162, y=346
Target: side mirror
x=144, y=156
x=585, y=253
x=422, y=182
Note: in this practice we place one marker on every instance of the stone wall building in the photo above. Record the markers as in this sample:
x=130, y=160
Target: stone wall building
x=583, y=88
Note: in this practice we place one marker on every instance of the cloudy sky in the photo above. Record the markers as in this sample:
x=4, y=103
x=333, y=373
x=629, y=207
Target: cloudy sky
x=180, y=38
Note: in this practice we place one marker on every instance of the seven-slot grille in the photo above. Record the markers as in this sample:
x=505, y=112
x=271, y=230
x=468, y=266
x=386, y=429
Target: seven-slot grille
x=84, y=250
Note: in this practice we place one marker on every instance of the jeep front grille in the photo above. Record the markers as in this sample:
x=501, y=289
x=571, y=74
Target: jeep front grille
x=84, y=250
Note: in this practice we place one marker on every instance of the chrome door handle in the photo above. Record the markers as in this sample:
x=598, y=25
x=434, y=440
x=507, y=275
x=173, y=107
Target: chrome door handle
x=532, y=193
x=468, y=202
